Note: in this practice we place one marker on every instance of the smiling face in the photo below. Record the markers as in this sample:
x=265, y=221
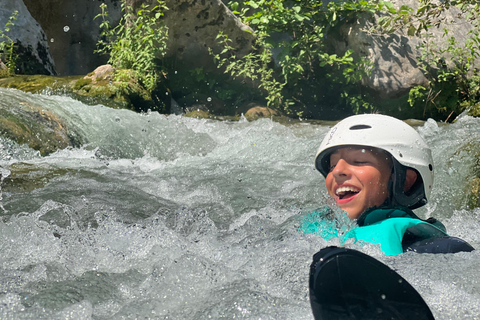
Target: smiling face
x=358, y=178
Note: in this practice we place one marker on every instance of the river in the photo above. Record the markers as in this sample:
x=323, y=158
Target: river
x=168, y=217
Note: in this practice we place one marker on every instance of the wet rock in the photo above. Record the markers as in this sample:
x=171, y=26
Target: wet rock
x=30, y=124
x=258, y=112
x=199, y=114
x=26, y=177
x=120, y=89
x=98, y=87
x=32, y=47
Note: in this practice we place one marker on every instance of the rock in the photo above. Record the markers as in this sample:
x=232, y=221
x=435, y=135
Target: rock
x=120, y=90
x=193, y=27
x=72, y=31
x=102, y=74
x=199, y=114
x=257, y=112
x=32, y=45
x=394, y=58
x=25, y=177
x=3, y=70
x=29, y=124
x=125, y=92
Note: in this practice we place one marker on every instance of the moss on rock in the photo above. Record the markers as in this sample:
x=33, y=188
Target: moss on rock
x=27, y=177
x=107, y=86
x=199, y=114
x=40, y=129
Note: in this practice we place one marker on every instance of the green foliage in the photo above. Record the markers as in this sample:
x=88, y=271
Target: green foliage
x=254, y=66
x=425, y=16
x=453, y=78
x=7, y=45
x=136, y=42
x=290, y=59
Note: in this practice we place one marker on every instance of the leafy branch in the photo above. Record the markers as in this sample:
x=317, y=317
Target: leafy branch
x=290, y=50
x=7, y=45
x=136, y=42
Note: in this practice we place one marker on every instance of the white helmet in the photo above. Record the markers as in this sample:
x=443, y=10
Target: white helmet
x=401, y=141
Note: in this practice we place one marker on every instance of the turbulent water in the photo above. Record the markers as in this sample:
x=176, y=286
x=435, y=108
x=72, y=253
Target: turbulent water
x=167, y=217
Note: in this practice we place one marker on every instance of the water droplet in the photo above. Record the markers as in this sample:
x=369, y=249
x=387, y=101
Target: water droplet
x=66, y=28
x=383, y=296
x=209, y=99
x=52, y=40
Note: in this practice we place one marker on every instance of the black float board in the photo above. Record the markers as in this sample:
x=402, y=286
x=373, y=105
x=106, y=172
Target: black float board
x=347, y=284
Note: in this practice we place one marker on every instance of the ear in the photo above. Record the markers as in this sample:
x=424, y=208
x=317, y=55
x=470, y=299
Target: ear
x=410, y=179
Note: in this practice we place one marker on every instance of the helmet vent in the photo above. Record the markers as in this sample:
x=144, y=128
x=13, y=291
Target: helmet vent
x=360, y=127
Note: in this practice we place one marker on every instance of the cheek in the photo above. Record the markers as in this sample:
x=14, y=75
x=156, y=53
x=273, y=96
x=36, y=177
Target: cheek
x=329, y=182
x=376, y=180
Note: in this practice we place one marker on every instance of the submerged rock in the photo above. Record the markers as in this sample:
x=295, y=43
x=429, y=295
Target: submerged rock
x=30, y=124
x=26, y=177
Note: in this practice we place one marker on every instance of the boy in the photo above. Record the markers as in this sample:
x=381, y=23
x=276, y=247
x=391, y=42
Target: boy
x=377, y=169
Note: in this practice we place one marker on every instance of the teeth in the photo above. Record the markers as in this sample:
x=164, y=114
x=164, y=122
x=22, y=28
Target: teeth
x=343, y=190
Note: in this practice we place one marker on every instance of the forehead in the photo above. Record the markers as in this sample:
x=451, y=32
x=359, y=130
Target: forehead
x=361, y=150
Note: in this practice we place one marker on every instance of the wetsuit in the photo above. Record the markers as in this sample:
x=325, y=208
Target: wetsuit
x=397, y=230
x=346, y=284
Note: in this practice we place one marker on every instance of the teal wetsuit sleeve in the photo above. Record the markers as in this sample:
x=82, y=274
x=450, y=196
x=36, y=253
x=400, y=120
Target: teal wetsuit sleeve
x=316, y=223
x=388, y=233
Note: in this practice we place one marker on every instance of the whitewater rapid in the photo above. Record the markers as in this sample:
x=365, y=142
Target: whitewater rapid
x=168, y=217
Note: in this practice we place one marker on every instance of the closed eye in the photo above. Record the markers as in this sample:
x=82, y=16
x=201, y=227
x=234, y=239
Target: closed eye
x=360, y=162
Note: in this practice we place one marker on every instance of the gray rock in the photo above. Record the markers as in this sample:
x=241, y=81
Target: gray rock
x=394, y=58
x=193, y=27
x=32, y=44
x=72, y=32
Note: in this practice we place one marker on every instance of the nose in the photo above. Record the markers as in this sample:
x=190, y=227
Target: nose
x=341, y=169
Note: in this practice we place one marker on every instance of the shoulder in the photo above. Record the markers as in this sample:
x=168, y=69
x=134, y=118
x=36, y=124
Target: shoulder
x=377, y=214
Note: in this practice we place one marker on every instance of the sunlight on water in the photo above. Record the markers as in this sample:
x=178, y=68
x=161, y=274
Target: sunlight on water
x=165, y=217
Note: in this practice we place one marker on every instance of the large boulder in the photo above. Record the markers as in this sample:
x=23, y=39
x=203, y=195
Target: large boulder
x=30, y=124
x=72, y=31
x=32, y=46
x=193, y=27
x=394, y=58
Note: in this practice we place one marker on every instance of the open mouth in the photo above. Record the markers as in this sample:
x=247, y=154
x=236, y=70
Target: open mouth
x=346, y=192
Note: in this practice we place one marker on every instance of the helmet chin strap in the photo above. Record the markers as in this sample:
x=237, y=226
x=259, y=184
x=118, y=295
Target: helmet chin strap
x=413, y=198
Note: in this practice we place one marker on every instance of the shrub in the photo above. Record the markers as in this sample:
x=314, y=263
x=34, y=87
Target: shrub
x=7, y=46
x=290, y=59
x=136, y=42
